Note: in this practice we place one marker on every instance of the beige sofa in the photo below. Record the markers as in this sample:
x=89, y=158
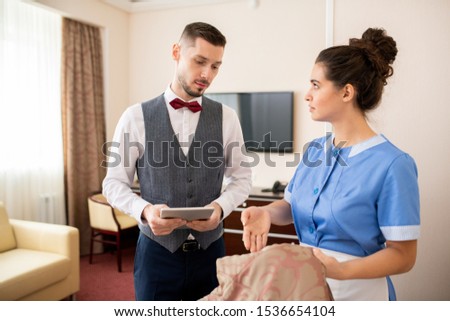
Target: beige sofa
x=38, y=261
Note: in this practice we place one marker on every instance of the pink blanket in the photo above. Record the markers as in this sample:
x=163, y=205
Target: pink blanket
x=279, y=272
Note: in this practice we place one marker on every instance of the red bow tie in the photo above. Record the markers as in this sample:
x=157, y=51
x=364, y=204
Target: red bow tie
x=193, y=106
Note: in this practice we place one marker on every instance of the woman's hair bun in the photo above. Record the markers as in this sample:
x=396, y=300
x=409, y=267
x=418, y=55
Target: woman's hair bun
x=380, y=48
x=365, y=63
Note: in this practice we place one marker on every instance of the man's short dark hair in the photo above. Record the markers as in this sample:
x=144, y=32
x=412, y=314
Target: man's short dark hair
x=205, y=31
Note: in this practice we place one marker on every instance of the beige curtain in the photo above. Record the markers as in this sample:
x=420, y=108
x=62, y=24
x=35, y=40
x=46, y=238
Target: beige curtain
x=83, y=121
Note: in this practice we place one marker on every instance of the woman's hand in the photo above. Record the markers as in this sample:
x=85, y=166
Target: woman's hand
x=256, y=222
x=332, y=266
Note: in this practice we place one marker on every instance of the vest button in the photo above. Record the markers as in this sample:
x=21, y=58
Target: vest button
x=189, y=180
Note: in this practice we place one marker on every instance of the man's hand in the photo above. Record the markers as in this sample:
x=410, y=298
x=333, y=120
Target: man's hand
x=209, y=224
x=256, y=222
x=158, y=225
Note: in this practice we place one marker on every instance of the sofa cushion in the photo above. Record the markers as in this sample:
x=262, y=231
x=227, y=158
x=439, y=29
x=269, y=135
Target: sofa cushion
x=7, y=239
x=24, y=271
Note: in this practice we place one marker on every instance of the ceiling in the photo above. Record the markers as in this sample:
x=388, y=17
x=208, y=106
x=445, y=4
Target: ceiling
x=146, y=5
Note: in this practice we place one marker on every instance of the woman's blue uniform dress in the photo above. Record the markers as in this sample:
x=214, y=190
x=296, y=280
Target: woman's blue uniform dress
x=352, y=200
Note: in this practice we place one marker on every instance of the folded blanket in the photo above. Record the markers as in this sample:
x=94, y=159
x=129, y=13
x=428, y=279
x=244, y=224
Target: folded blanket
x=279, y=272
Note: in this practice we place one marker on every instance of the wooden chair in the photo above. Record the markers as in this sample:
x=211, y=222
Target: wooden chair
x=106, y=220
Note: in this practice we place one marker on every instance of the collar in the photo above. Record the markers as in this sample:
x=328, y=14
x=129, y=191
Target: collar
x=169, y=95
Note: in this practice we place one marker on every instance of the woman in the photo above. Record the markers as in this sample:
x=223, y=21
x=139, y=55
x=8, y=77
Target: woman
x=354, y=197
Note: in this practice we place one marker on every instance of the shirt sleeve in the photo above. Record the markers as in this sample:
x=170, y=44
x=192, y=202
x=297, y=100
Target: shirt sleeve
x=238, y=172
x=125, y=149
x=399, y=202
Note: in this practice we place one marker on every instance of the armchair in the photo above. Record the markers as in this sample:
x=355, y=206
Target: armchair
x=108, y=221
x=38, y=261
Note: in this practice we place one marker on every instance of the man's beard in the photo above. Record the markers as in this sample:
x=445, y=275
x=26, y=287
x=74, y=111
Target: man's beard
x=191, y=92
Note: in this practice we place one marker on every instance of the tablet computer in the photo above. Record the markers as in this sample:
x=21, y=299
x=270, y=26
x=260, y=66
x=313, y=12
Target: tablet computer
x=187, y=213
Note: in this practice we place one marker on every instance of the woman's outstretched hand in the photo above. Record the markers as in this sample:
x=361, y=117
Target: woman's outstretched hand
x=256, y=222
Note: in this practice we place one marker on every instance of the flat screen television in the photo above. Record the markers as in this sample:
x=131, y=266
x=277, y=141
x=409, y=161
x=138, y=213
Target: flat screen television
x=266, y=118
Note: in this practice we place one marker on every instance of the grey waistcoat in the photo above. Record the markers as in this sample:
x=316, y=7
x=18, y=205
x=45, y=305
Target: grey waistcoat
x=167, y=176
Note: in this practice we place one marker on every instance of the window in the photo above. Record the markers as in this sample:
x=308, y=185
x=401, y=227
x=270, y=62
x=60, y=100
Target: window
x=31, y=160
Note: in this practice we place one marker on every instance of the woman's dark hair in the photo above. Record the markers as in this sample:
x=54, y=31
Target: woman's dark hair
x=365, y=63
x=205, y=31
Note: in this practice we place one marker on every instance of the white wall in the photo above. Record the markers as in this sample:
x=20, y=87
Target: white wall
x=273, y=47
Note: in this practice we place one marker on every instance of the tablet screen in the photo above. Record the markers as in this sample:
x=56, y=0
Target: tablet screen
x=187, y=213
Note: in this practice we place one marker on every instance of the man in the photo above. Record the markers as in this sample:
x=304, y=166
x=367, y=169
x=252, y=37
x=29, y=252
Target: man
x=183, y=156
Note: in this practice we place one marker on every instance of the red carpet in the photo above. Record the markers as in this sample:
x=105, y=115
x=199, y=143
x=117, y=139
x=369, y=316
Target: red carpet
x=101, y=281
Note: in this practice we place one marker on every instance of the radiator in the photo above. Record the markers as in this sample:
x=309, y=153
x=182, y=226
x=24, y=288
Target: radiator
x=47, y=208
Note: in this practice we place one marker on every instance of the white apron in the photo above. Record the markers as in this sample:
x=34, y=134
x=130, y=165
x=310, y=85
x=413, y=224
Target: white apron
x=357, y=289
